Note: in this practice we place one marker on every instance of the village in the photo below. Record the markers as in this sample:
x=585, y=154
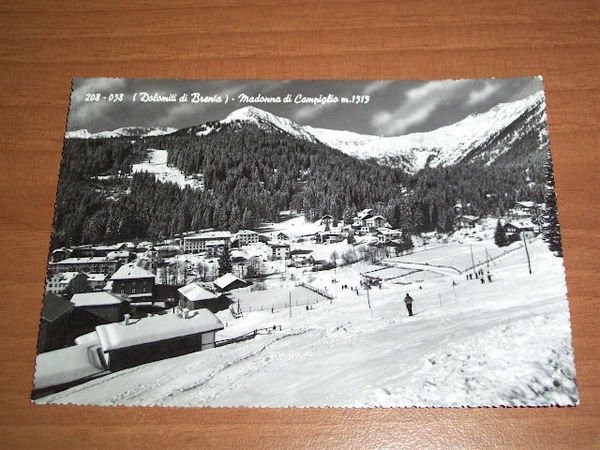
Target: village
x=112, y=307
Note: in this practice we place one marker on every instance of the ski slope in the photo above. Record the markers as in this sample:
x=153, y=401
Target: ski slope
x=156, y=164
x=472, y=344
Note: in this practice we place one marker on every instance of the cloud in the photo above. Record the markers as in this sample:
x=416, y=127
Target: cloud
x=419, y=105
x=481, y=95
x=376, y=86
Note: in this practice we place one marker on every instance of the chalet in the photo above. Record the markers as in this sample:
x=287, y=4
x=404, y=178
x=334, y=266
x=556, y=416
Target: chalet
x=387, y=235
x=327, y=221
x=525, y=210
x=96, y=264
x=246, y=237
x=281, y=236
x=99, y=307
x=54, y=323
x=280, y=250
x=301, y=258
x=73, y=282
x=196, y=243
x=466, y=221
x=520, y=228
x=193, y=296
x=375, y=222
x=133, y=282
x=327, y=237
x=129, y=344
x=229, y=282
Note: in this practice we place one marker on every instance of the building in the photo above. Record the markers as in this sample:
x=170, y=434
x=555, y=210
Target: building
x=54, y=323
x=167, y=251
x=123, y=256
x=387, y=235
x=99, y=307
x=73, y=282
x=466, y=221
x=193, y=296
x=229, y=282
x=196, y=243
x=374, y=222
x=327, y=221
x=59, y=254
x=281, y=236
x=525, y=210
x=280, y=250
x=94, y=264
x=246, y=237
x=96, y=281
x=131, y=343
x=516, y=229
x=328, y=237
x=133, y=282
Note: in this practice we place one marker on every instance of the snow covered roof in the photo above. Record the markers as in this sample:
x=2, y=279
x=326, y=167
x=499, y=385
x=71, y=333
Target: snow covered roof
x=225, y=280
x=131, y=271
x=117, y=335
x=387, y=231
x=210, y=235
x=92, y=259
x=194, y=292
x=101, y=298
x=118, y=254
x=521, y=224
x=64, y=366
x=242, y=232
x=96, y=276
x=526, y=204
x=469, y=218
x=65, y=277
x=88, y=339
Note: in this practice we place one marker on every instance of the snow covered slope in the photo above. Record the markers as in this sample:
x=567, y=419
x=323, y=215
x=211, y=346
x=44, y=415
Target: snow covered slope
x=444, y=146
x=268, y=122
x=120, y=132
x=156, y=164
x=477, y=344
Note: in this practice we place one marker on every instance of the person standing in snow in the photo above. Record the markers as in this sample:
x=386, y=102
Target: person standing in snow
x=408, y=300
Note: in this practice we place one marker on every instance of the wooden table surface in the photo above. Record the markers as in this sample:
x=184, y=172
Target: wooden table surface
x=44, y=44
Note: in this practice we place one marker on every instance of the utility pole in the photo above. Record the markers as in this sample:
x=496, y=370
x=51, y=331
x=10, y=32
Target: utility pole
x=527, y=252
x=368, y=288
x=290, y=297
x=472, y=258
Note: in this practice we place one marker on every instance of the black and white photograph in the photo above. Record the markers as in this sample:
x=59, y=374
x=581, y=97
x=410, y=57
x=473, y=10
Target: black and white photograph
x=256, y=243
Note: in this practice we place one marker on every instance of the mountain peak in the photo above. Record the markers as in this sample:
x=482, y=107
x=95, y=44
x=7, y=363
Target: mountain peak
x=268, y=121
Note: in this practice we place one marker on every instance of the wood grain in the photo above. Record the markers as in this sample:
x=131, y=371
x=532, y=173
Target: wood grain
x=43, y=45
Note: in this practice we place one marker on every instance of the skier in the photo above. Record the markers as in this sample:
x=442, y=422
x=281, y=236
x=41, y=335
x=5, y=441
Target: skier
x=489, y=277
x=408, y=300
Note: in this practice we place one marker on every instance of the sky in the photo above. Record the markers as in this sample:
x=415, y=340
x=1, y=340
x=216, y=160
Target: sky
x=394, y=108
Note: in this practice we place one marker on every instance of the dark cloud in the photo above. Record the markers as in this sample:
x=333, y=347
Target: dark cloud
x=395, y=107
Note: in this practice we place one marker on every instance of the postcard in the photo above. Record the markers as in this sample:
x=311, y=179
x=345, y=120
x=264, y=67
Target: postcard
x=315, y=243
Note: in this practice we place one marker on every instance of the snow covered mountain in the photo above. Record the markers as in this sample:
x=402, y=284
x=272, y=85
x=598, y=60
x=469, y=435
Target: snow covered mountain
x=506, y=130
x=269, y=122
x=485, y=136
x=120, y=132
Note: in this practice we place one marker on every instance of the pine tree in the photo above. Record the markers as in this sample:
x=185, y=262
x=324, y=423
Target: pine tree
x=551, y=227
x=500, y=235
x=225, y=265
